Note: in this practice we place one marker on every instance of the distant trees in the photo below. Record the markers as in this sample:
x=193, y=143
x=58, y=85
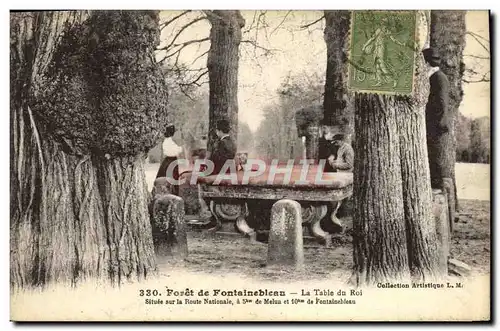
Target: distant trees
x=277, y=136
x=307, y=89
x=190, y=116
x=245, y=138
x=479, y=147
x=473, y=139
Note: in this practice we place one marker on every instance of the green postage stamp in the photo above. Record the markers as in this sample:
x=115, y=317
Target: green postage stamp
x=382, y=51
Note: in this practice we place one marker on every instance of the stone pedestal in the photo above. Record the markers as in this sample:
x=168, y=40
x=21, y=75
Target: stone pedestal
x=169, y=229
x=440, y=212
x=162, y=186
x=449, y=188
x=285, y=247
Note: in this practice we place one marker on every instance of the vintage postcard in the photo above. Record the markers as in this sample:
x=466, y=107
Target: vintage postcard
x=236, y=165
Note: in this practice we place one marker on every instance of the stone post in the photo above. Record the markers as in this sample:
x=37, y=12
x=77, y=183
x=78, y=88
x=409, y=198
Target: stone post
x=169, y=229
x=449, y=188
x=285, y=247
x=440, y=212
x=312, y=142
x=162, y=186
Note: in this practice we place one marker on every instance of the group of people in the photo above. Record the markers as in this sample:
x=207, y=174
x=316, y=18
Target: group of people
x=333, y=148
x=225, y=149
x=338, y=153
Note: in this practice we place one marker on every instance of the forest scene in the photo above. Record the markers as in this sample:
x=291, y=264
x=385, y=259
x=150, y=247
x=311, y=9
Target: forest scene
x=95, y=219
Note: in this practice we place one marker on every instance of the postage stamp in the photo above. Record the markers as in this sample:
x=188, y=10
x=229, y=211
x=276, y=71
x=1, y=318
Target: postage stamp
x=382, y=52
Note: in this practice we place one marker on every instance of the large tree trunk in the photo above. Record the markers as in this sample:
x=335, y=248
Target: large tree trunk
x=448, y=37
x=417, y=194
x=337, y=105
x=379, y=237
x=222, y=63
x=78, y=191
x=395, y=232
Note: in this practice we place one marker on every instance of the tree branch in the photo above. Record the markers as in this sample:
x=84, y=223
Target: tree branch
x=282, y=21
x=183, y=45
x=195, y=82
x=185, y=93
x=251, y=24
x=200, y=56
x=187, y=43
x=267, y=51
x=163, y=25
x=484, y=79
x=477, y=56
x=180, y=32
x=303, y=27
x=477, y=38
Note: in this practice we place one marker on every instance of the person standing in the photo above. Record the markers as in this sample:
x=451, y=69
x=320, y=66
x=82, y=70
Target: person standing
x=343, y=158
x=225, y=148
x=338, y=154
x=326, y=147
x=440, y=125
x=171, y=151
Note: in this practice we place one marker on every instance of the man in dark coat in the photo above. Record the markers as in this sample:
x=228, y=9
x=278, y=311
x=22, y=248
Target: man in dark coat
x=225, y=148
x=333, y=148
x=440, y=124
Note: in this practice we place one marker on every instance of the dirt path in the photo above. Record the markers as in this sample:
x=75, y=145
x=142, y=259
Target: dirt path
x=224, y=254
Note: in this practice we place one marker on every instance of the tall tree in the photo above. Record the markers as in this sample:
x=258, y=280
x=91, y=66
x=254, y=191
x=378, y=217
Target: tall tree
x=448, y=37
x=337, y=105
x=87, y=102
x=222, y=64
x=395, y=231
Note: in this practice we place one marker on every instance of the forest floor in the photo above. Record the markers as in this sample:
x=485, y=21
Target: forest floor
x=222, y=254
x=226, y=253
x=231, y=262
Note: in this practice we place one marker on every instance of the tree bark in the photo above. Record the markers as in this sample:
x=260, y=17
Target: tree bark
x=78, y=198
x=417, y=194
x=337, y=105
x=379, y=237
x=395, y=232
x=447, y=35
x=222, y=63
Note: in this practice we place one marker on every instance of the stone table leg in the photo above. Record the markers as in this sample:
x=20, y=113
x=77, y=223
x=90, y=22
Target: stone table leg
x=333, y=216
x=315, y=226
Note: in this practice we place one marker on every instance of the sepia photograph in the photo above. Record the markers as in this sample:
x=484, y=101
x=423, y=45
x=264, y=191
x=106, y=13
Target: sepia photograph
x=250, y=165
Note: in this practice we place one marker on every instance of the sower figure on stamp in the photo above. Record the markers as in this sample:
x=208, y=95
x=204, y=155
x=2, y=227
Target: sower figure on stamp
x=439, y=125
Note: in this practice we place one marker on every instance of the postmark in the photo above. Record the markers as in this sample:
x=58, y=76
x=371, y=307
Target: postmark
x=382, y=52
